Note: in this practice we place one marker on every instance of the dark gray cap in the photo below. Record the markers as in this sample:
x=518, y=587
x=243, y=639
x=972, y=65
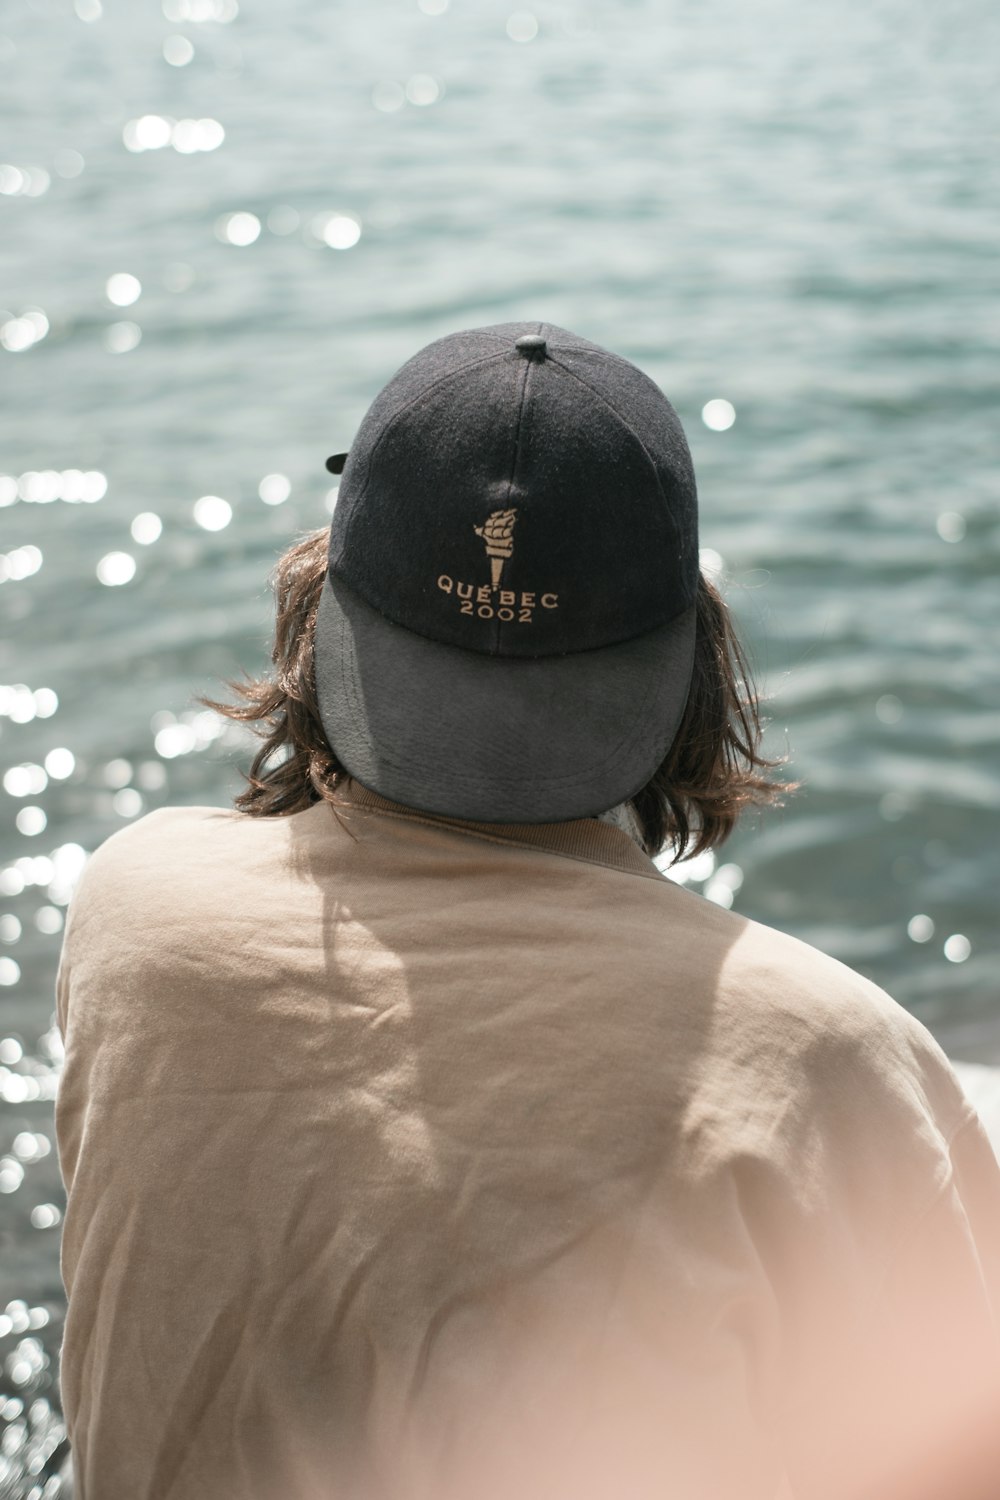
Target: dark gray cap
x=506, y=629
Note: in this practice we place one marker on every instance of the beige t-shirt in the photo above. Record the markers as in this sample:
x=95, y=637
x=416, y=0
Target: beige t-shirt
x=415, y=1158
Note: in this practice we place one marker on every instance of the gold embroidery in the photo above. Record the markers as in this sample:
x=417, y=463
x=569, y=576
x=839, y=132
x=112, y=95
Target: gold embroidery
x=497, y=531
x=481, y=594
x=490, y=601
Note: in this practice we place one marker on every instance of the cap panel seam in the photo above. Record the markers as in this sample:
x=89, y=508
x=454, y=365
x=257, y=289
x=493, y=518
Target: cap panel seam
x=517, y=430
x=599, y=395
x=471, y=364
x=608, y=356
x=498, y=624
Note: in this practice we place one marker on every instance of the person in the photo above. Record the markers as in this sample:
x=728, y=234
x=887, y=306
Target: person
x=421, y=1137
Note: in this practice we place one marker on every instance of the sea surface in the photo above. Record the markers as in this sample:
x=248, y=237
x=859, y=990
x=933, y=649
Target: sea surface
x=223, y=227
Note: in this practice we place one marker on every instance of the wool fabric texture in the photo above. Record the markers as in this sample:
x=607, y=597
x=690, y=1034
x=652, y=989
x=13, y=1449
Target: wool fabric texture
x=506, y=630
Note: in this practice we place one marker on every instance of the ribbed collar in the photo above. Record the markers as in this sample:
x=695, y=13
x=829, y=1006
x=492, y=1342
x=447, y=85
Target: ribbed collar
x=588, y=839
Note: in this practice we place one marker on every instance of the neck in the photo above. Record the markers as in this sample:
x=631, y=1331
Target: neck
x=624, y=818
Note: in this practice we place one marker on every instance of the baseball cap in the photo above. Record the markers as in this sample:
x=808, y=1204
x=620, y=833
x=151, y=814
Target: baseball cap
x=506, y=627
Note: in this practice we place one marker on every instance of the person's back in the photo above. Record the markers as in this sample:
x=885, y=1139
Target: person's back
x=413, y=1154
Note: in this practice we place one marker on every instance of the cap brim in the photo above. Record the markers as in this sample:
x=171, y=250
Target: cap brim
x=496, y=739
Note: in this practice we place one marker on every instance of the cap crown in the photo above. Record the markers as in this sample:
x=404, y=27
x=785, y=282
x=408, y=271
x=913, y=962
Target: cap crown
x=525, y=501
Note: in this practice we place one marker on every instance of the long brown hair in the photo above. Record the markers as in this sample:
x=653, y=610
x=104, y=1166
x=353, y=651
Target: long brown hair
x=712, y=773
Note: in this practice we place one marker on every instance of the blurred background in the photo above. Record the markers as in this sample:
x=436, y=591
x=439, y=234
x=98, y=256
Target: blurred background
x=222, y=228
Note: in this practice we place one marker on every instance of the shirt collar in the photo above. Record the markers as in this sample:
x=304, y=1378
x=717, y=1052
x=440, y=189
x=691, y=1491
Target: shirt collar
x=591, y=839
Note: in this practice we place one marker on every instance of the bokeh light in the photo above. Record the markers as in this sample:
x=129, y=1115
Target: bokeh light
x=951, y=526
x=147, y=133
x=422, y=89
x=154, y=132
x=45, y=1216
x=718, y=414
x=146, y=528
x=920, y=928
x=200, y=11
x=178, y=51
x=123, y=289
x=116, y=568
x=68, y=162
x=212, y=512
x=60, y=763
x=31, y=821
x=24, y=331
x=241, y=228
x=888, y=708
x=25, y=780
x=274, y=489
x=23, y=182
x=21, y=563
x=957, y=948
x=522, y=26
x=122, y=338
x=339, y=231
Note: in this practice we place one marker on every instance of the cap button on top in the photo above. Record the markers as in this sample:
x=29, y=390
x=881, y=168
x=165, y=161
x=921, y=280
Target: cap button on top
x=531, y=345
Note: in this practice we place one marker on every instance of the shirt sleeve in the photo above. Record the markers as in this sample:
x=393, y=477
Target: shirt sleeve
x=71, y=1095
x=62, y=990
x=77, y=901
x=914, y=1404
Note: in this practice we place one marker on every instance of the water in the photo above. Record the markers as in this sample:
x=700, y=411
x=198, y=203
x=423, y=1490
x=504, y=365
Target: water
x=792, y=209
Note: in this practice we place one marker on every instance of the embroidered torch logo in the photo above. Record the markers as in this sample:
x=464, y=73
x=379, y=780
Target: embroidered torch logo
x=497, y=531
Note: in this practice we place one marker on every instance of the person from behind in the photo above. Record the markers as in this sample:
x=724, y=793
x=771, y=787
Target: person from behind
x=421, y=1138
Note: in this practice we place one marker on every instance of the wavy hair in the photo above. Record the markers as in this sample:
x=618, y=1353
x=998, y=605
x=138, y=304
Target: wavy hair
x=712, y=773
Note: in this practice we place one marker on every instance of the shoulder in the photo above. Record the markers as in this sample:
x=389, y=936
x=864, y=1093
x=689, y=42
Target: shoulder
x=137, y=854
x=824, y=1025
x=162, y=821
x=163, y=825
x=807, y=1026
